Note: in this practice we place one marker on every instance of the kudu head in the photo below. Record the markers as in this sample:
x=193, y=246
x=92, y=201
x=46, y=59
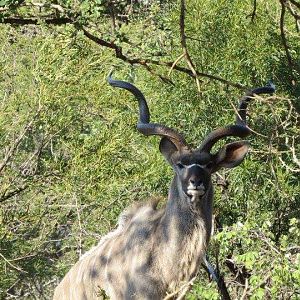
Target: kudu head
x=195, y=166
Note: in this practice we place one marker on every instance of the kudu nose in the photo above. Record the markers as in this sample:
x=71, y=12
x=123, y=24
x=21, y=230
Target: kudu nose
x=196, y=183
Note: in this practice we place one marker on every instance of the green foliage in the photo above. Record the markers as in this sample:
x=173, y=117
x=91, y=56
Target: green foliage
x=81, y=161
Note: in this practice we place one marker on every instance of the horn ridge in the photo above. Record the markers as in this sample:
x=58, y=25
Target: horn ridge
x=241, y=116
x=240, y=129
x=144, y=126
x=144, y=116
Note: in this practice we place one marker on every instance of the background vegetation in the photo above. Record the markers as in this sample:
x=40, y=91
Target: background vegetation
x=71, y=159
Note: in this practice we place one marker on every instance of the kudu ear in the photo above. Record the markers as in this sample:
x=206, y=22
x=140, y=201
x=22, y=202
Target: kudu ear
x=167, y=148
x=231, y=155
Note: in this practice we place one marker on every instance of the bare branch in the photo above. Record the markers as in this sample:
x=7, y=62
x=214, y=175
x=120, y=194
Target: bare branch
x=12, y=265
x=175, y=63
x=36, y=21
x=244, y=296
x=56, y=7
x=184, y=45
x=119, y=54
x=47, y=5
x=118, y=49
x=284, y=40
x=181, y=291
x=253, y=14
x=163, y=78
x=11, y=194
x=292, y=148
x=295, y=15
x=297, y=4
x=17, y=142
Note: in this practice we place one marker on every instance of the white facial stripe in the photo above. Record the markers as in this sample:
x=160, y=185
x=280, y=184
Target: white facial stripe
x=190, y=166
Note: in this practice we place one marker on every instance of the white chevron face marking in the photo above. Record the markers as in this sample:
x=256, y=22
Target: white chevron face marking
x=190, y=166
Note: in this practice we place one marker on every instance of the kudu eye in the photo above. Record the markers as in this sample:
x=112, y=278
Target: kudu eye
x=180, y=166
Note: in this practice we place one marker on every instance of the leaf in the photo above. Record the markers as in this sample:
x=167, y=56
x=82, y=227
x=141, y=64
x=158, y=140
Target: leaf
x=3, y=2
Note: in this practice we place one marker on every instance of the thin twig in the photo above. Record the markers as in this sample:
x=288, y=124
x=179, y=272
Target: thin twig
x=288, y=167
x=184, y=45
x=164, y=79
x=237, y=113
x=12, y=265
x=284, y=39
x=181, y=291
x=295, y=15
x=260, y=235
x=5, y=196
x=56, y=7
x=119, y=51
x=79, y=225
x=292, y=148
x=244, y=296
x=47, y=5
x=295, y=3
x=253, y=14
x=175, y=63
x=17, y=141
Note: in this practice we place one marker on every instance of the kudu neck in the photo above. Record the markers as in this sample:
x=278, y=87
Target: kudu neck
x=179, y=206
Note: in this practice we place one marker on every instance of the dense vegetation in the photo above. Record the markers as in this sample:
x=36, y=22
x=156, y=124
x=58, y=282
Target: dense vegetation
x=71, y=159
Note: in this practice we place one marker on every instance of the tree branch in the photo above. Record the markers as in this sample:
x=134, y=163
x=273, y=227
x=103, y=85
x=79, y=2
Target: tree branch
x=284, y=40
x=9, y=195
x=295, y=3
x=140, y=61
x=295, y=15
x=35, y=21
x=253, y=14
x=17, y=142
x=184, y=45
x=119, y=51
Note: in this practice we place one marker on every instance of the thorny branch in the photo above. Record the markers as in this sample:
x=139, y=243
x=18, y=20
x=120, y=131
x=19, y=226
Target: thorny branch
x=291, y=117
x=56, y=7
x=290, y=5
x=13, y=193
x=244, y=296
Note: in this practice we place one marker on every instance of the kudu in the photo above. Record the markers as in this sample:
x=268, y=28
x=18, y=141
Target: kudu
x=154, y=251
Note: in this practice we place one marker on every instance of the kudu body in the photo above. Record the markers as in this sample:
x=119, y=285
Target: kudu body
x=153, y=251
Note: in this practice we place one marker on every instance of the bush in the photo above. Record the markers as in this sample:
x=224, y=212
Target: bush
x=71, y=159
